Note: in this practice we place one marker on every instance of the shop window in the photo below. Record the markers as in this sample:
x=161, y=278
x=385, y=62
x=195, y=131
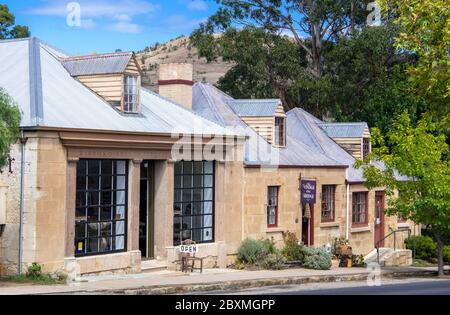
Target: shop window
x=194, y=202
x=328, y=203
x=272, y=206
x=101, y=207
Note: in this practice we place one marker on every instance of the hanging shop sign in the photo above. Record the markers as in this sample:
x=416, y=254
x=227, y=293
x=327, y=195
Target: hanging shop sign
x=308, y=191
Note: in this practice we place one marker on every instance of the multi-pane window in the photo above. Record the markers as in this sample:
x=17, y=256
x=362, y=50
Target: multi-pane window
x=194, y=202
x=280, y=131
x=366, y=147
x=360, y=208
x=328, y=203
x=131, y=94
x=272, y=206
x=101, y=207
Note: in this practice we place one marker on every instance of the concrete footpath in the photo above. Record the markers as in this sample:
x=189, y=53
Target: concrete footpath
x=211, y=280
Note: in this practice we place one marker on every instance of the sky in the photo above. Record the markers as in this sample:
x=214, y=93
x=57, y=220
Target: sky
x=99, y=26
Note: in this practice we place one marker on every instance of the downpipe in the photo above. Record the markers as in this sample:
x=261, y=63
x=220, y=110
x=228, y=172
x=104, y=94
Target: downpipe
x=23, y=142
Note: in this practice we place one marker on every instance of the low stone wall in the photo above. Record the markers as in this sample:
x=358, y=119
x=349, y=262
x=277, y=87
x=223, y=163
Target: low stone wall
x=214, y=254
x=121, y=263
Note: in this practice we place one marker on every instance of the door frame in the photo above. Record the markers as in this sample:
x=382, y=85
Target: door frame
x=310, y=228
x=150, y=224
x=379, y=230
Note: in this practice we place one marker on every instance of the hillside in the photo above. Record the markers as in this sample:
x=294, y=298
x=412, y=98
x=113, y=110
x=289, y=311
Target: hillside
x=178, y=50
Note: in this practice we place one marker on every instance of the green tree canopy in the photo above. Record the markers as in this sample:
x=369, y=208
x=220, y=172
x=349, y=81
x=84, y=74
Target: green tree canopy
x=9, y=125
x=414, y=151
x=424, y=29
x=8, y=29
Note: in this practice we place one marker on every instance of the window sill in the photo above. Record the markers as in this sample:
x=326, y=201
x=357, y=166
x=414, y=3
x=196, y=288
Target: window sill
x=360, y=229
x=403, y=225
x=325, y=225
x=274, y=230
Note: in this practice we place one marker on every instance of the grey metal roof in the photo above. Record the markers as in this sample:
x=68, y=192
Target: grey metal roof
x=48, y=96
x=213, y=104
x=254, y=108
x=344, y=130
x=97, y=64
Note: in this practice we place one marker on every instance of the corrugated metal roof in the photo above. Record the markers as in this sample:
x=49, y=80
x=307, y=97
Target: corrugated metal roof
x=214, y=104
x=344, y=130
x=254, y=108
x=66, y=103
x=97, y=64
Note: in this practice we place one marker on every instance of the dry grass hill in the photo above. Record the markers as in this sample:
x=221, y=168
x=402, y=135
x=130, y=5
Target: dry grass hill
x=178, y=50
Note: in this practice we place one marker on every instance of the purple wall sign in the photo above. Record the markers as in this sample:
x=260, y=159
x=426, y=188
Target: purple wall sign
x=308, y=191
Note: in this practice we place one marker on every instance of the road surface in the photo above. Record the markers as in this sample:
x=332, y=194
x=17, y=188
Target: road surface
x=388, y=287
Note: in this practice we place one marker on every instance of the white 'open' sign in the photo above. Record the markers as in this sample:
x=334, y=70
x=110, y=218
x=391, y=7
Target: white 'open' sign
x=188, y=249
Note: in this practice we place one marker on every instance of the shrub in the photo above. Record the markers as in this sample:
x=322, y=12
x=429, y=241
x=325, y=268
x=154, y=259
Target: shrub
x=250, y=251
x=273, y=261
x=292, y=250
x=317, y=258
x=425, y=247
x=269, y=247
x=446, y=254
x=34, y=271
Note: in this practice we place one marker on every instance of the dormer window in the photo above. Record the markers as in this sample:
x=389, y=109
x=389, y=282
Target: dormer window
x=131, y=94
x=280, y=132
x=366, y=147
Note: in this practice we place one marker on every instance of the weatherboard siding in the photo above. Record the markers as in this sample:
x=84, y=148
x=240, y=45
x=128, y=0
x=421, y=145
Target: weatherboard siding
x=351, y=145
x=264, y=126
x=109, y=86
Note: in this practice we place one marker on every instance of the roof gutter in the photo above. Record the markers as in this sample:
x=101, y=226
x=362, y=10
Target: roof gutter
x=254, y=166
x=82, y=130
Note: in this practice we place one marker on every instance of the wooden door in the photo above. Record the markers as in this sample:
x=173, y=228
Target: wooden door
x=379, y=218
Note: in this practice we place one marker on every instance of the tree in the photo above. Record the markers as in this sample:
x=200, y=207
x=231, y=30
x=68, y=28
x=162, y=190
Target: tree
x=8, y=29
x=9, y=125
x=414, y=151
x=266, y=64
x=311, y=23
x=424, y=29
x=368, y=79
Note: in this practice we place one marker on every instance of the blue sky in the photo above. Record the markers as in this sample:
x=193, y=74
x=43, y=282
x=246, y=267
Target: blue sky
x=107, y=25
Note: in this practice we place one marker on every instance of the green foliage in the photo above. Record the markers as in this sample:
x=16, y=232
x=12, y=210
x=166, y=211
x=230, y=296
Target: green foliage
x=446, y=254
x=251, y=251
x=424, y=28
x=274, y=261
x=34, y=271
x=261, y=253
x=424, y=246
x=417, y=152
x=8, y=29
x=9, y=125
x=292, y=250
x=317, y=258
x=359, y=76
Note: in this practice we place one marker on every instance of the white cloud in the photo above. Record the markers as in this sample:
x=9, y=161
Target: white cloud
x=95, y=9
x=125, y=27
x=116, y=14
x=88, y=24
x=198, y=5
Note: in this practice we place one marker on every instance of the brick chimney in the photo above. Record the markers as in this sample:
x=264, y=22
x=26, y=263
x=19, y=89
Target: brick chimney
x=175, y=82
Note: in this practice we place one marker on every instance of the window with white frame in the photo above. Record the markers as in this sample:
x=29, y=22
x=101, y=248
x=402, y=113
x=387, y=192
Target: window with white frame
x=131, y=94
